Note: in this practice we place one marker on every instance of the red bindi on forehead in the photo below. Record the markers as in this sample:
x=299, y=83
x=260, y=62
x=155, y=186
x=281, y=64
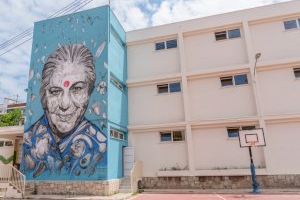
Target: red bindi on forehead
x=66, y=83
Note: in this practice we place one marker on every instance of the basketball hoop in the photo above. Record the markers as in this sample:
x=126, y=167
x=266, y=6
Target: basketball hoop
x=252, y=138
x=253, y=143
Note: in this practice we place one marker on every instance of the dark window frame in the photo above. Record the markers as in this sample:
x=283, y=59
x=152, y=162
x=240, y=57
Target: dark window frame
x=117, y=134
x=161, y=88
x=160, y=46
x=8, y=143
x=163, y=138
x=249, y=127
x=226, y=78
x=233, y=132
x=296, y=71
x=231, y=33
x=221, y=35
x=291, y=24
x=171, y=44
x=168, y=44
x=171, y=133
x=167, y=88
x=182, y=136
x=174, y=89
x=228, y=81
x=240, y=83
x=117, y=83
x=228, y=34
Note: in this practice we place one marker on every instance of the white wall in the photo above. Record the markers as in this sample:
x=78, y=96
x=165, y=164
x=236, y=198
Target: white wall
x=146, y=106
x=144, y=61
x=214, y=150
x=273, y=42
x=6, y=151
x=157, y=155
x=203, y=51
x=208, y=100
x=283, y=144
x=279, y=91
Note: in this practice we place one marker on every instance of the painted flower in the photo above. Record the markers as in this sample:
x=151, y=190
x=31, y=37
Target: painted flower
x=101, y=87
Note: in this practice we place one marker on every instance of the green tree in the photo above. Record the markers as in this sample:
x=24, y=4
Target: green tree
x=11, y=119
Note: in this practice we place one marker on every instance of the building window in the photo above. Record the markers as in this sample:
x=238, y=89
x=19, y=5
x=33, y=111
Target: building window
x=116, y=134
x=233, y=132
x=291, y=24
x=163, y=88
x=116, y=82
x=234, y=33
x=297, y=72
x=178, y=136
x=1, y=143
x=240, y=79
x=248, y=127
x=169, y=44
x=169, y=88
x=165, y=136
x=171, y=136
x=228, y=34
x=226, y=81
x=222, y=35
x=8, y=143
x=175, y=87
x=159, y=45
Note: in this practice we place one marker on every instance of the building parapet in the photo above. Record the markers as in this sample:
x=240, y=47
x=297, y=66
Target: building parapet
x=253, y=15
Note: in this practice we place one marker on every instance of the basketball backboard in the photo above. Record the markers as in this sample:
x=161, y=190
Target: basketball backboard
x=252, y=138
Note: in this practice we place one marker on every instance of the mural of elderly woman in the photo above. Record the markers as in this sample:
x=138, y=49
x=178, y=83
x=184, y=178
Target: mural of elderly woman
x=62, y=139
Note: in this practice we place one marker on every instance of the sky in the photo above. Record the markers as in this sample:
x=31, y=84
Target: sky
x=17, y=16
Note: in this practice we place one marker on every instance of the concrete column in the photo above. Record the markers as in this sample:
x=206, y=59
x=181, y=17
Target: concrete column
x=255, y=87
x=131, y=142
x=185, y=95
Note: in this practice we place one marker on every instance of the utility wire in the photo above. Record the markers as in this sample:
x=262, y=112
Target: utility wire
x=15, y=38
x=57, y=13
x=73, y=7
x=29, y=31
x=15, y=46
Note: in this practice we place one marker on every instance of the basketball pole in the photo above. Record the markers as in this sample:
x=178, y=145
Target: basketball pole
x=255, y=185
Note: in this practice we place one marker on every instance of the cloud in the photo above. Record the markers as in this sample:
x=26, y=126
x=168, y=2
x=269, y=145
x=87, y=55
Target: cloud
x=17, y=16
x=130, y=13
x=179, y=10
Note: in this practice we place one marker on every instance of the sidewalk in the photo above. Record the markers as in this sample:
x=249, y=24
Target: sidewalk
x=221, y=191
x=119, y=196
x=125, y=196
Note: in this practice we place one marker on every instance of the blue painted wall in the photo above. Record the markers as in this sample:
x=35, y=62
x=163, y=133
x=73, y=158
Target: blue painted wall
x=98, y=30
x=117, y=98
x=89, y=28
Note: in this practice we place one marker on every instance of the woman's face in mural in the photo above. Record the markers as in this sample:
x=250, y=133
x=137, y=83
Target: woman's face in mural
x=67, y=96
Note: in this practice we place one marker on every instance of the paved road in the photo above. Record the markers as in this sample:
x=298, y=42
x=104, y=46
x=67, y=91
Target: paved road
x=215, y=197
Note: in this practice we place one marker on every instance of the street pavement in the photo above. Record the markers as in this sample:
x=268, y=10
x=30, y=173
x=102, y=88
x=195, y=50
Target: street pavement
x=184, y=194
x=216, y=197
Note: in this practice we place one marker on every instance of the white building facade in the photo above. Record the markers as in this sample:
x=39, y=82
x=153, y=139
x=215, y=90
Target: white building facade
x=193, y=84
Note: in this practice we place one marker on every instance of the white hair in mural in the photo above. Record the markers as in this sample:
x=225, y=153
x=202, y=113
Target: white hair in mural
x=68, y=79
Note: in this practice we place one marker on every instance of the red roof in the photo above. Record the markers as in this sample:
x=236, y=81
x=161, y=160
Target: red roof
x=16, y=105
